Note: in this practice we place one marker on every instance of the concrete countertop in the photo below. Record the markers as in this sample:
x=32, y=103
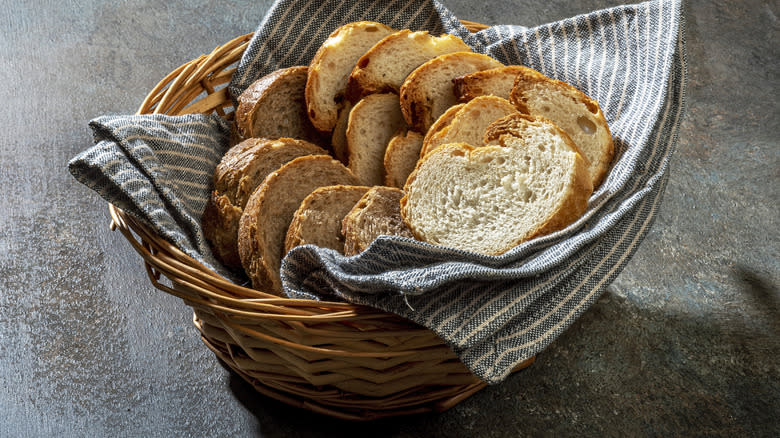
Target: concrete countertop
x=684, y=342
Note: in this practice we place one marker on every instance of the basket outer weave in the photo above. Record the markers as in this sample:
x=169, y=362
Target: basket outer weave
x=338, y=359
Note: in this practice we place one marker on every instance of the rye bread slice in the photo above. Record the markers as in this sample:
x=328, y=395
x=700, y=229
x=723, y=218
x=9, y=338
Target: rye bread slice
x=318, y=219
x=376, y=213
x=275, y=106
x=241, y=170
x=270, y=209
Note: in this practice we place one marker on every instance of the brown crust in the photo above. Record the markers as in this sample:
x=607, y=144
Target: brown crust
x=220, y=227
x=528, y=77
x=472, y=85
x=268, y=214
x=442, y=122
x=257, y=99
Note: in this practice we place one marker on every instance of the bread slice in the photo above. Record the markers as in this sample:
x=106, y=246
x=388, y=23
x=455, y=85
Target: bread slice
x=533, y=183
x=274, y=106
x=427, y=91
x=318, y=219
x=372, y=122
x=469, y=123
x=269, y=211
x=384, y=66
x=331, y=66
x=401, y=157
x=377, y=213
x=573, y=111
x=241, y=170
x=494, y=82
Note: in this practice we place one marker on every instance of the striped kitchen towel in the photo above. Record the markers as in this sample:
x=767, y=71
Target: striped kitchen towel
x=495, y=312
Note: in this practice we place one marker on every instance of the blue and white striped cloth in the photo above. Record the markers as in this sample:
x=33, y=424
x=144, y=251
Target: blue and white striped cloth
x=495, y=312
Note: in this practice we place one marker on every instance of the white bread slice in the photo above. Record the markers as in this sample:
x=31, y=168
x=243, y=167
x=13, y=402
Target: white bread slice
x=533, y=183
x=269, y=211
x=469, y=123
x=384, y=67
x=573, y=111
x=496, y=82
x=376, y=213
x=372, y=122
x=331, y=66
x=427, y=91
x=241, y=170
x=401, y=157
x=318, y=219
x=274, y=106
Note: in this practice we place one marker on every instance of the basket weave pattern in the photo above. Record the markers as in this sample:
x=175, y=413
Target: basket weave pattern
x=339, y=359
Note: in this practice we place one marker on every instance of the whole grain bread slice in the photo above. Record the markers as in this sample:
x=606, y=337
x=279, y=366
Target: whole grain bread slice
x=573, y=111
x=318, y=219
x=533, y=183
x=384, y=66
x=275, y=106
x=269, y=212
x=241, y=170
x=428, y=91
x=376, y=213
x=469, y=123
x=331, y=66
x=401, y=157
x=493, y=82
x=372, y=122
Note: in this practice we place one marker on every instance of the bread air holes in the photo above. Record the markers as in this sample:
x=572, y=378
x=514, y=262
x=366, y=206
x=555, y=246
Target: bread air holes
x=586, y=125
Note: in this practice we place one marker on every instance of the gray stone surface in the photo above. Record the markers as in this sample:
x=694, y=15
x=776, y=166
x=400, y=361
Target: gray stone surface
x=684, y=342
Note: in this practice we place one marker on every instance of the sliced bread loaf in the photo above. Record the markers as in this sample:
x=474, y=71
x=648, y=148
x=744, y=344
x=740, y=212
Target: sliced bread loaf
x=376, y=213
x=384, y=66
x=241, y=170
x=427, y=92
x=532, y=184
x=442, y=122
x=274, y=106
x=269, y=211
x=469, y=123
x=401, y=157
x=318, y=219
x=331, y=66
x=573, y=111
x=372, y=122
x=495, y=82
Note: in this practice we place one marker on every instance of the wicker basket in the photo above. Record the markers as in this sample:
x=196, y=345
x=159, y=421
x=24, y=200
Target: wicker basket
x=338, y=359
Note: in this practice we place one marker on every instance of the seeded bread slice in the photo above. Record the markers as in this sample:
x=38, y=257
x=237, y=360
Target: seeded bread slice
x=427, y=92
x=573, y=111
x=401, y=157
x=270, y=209
x=496, y=82
x=384, y=66
x=274, y=106
x=372, y=122
x=241, y=170
x=376, y=213
x=531, y=184
x=469, y=123
x=331, y=66
x=318, y=219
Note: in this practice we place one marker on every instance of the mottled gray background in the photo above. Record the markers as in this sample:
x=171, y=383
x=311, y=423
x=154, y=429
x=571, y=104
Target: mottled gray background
x=684, y=342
